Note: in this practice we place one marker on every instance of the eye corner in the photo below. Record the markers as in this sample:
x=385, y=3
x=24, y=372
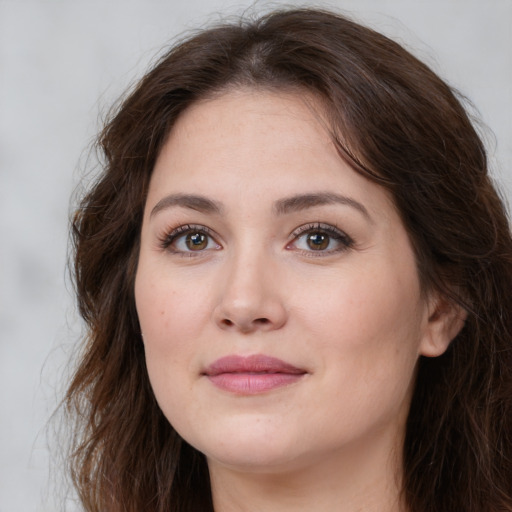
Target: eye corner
x=319, y=239
x=189, y=240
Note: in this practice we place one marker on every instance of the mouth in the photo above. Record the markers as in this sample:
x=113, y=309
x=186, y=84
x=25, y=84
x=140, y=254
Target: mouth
x=252, y=375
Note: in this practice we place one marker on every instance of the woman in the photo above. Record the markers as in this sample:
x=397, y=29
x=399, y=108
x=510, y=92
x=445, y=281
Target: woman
x=295, y=273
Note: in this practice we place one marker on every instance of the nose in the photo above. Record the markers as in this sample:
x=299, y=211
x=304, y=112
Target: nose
x=251, y=298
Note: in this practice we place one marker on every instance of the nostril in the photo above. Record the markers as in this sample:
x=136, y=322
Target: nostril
x=226, y=322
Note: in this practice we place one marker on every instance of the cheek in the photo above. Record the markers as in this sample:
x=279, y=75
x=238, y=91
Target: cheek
x=168, y=322
x=166, y=307
x=364, y=304
x=369, y=324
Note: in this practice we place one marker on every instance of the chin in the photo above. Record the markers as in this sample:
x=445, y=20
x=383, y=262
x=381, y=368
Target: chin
x=255, y=460
x=259, y=450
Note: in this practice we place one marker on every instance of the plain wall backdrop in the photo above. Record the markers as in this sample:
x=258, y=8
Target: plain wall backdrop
x=62, y=63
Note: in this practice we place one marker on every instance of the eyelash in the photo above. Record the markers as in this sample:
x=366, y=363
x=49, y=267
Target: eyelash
x=168, y=239
x=345, y=242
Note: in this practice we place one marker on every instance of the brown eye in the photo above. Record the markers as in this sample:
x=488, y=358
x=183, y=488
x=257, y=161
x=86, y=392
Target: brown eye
x=318, y=241
x=196, y=241
x=322, y=239
x=189, y=239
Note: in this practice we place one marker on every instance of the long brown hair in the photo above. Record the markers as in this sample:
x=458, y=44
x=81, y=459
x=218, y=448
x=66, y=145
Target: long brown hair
x=395, y=121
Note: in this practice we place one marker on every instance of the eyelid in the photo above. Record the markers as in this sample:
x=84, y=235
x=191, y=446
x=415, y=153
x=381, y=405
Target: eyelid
x=342, y=237
x=169, y=236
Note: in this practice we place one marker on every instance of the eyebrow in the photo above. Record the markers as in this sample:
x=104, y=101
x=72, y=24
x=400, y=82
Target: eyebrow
x=304, y=201
x=283, y=206
x=191, y=201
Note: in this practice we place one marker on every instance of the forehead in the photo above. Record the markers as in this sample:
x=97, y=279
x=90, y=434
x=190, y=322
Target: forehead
x=251, y=118
x=257, y=145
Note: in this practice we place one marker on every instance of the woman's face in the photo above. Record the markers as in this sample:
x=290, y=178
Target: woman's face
x=276, y=289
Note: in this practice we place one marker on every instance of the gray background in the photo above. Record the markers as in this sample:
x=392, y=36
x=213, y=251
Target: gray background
x=62, y=63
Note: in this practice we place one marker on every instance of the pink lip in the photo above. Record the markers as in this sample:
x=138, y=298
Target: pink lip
x=252, y=375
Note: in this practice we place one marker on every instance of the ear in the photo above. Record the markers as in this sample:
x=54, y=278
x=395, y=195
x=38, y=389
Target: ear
x=445, y=321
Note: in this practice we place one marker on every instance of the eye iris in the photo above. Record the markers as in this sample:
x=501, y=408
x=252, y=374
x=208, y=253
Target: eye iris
x=318, y=241
x=196, y=241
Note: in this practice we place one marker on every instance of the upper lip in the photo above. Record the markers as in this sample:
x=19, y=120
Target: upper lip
x=251, y=364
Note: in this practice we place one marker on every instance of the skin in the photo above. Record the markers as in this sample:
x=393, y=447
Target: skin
x=351, y=316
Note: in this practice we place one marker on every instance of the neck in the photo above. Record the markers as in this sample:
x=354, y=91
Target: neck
x=362, y=478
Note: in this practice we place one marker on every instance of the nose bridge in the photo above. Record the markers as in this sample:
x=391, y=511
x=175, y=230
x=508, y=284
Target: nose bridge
x=245, y=285
x=250, y=298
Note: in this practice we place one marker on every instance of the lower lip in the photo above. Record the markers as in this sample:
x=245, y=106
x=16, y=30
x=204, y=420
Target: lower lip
x=253, y=383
